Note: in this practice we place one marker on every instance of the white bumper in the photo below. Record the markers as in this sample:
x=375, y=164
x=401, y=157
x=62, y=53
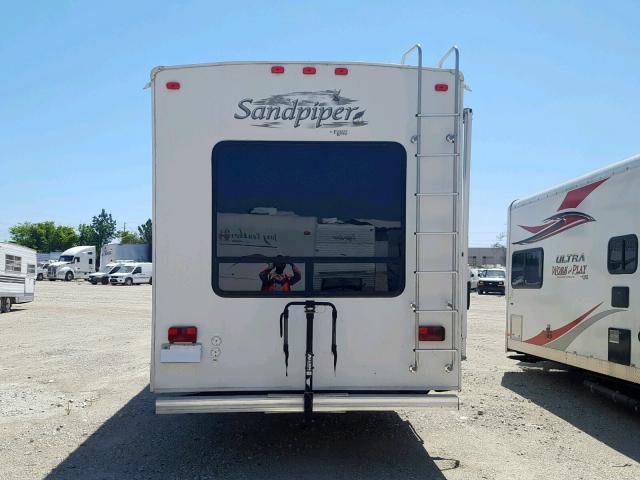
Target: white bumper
x=294, y=403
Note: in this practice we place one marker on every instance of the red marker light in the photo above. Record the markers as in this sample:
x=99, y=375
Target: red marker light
x=277, y=69
x=342, y=71
x=441, y=87
x=431, y=334
x=309, y=70
x=173, y=85
x=183, y=334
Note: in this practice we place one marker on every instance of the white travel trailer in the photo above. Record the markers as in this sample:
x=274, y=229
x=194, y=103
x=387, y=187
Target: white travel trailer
x=75, y=262
x=17, y=275
x=573, y=284
x=325, y=269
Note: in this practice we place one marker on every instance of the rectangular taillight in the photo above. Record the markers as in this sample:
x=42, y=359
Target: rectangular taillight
x=183, y=334
x=431, y=334
x=441, y=87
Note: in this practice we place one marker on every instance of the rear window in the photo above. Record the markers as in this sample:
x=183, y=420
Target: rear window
x=308, y=218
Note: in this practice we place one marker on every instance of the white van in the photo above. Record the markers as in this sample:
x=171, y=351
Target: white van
x=17, y=275
x=132, y=273
x=324, y=192
x=75, y=262
x=573, y=273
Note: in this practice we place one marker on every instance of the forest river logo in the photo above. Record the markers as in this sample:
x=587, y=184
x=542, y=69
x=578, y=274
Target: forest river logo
x=319, y=109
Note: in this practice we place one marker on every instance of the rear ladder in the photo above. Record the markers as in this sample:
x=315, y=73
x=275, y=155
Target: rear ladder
x=456, y=234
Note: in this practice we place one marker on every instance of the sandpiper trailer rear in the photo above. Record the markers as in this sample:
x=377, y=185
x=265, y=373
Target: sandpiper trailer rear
x=326, y=205
x=573, y=256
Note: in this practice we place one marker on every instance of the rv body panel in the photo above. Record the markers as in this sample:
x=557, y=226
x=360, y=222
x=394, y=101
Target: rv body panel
x=572, y=264
x=210, y=118
x=17, y=274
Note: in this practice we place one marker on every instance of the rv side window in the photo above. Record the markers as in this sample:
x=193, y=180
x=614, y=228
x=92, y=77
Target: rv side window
x=308, y=218
x=12, y=263
x=622, y=255
x=31, y=268
x=526, y=268
x=91, y=261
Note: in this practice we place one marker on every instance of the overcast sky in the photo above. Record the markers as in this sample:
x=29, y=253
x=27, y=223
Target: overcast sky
x=555, y=88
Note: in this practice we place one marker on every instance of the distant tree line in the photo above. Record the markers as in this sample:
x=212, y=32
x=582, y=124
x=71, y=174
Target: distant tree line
x=49, y=237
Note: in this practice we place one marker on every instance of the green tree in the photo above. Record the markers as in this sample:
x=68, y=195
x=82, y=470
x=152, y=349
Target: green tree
x=43, y=236
x=129, y=237
x=86, y=235
x=145, y=231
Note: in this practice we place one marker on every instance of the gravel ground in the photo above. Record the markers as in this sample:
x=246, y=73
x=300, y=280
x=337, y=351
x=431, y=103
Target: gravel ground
x=74, y=403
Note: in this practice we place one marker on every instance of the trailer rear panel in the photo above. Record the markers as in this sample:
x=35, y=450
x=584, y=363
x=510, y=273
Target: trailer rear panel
x=294, y=182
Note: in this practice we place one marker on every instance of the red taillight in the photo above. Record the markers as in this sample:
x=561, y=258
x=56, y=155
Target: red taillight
x=431, y=334
x=441, y=87
x=342, y=71
x=173, y=85
x=309, y=70
x=183, y=334
x=277, y=69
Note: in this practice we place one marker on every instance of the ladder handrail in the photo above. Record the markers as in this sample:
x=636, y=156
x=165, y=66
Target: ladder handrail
x=458, y=194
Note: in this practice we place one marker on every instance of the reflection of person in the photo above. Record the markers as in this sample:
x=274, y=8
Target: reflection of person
x=275, y=280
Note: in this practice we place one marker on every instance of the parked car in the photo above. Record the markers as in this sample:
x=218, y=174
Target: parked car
x=41, y=270
x=132, y=273
x=103, y=274
x=473, y=279
x=491, y=280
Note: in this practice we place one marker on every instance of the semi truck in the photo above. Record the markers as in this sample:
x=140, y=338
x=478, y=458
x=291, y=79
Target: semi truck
x=73, y=263
x=327, y=205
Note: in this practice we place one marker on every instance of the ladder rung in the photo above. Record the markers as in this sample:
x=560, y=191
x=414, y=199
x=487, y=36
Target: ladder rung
x=435, y=233
x=427, y=115
x=430, y=155
x=451, y=272
x=436, y=311
x=447, y=350
x=447, y=194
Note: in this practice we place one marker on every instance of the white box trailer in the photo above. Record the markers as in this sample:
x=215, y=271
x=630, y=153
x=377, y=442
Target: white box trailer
x=573, y=284
x=17, y=275
x=239, y=146
x=133, y=252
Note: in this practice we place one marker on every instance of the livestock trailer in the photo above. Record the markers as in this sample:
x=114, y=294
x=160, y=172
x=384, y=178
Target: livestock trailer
x=324, y=267
x=572, y=263
x=17, y=275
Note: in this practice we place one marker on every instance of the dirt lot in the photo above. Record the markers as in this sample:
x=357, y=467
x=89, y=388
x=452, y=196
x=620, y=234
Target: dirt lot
x=74, y=403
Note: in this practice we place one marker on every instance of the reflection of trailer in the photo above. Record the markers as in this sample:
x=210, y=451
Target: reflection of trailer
x=346, y=143
x=573, y=258
x=17, y=275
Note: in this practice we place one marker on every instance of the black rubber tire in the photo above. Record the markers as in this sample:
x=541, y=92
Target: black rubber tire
x=480, y=292
x=52, y=279
x=6, y=304
x=40, y=277
x=128, y=281
x=105, y=281
x=68, y=276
